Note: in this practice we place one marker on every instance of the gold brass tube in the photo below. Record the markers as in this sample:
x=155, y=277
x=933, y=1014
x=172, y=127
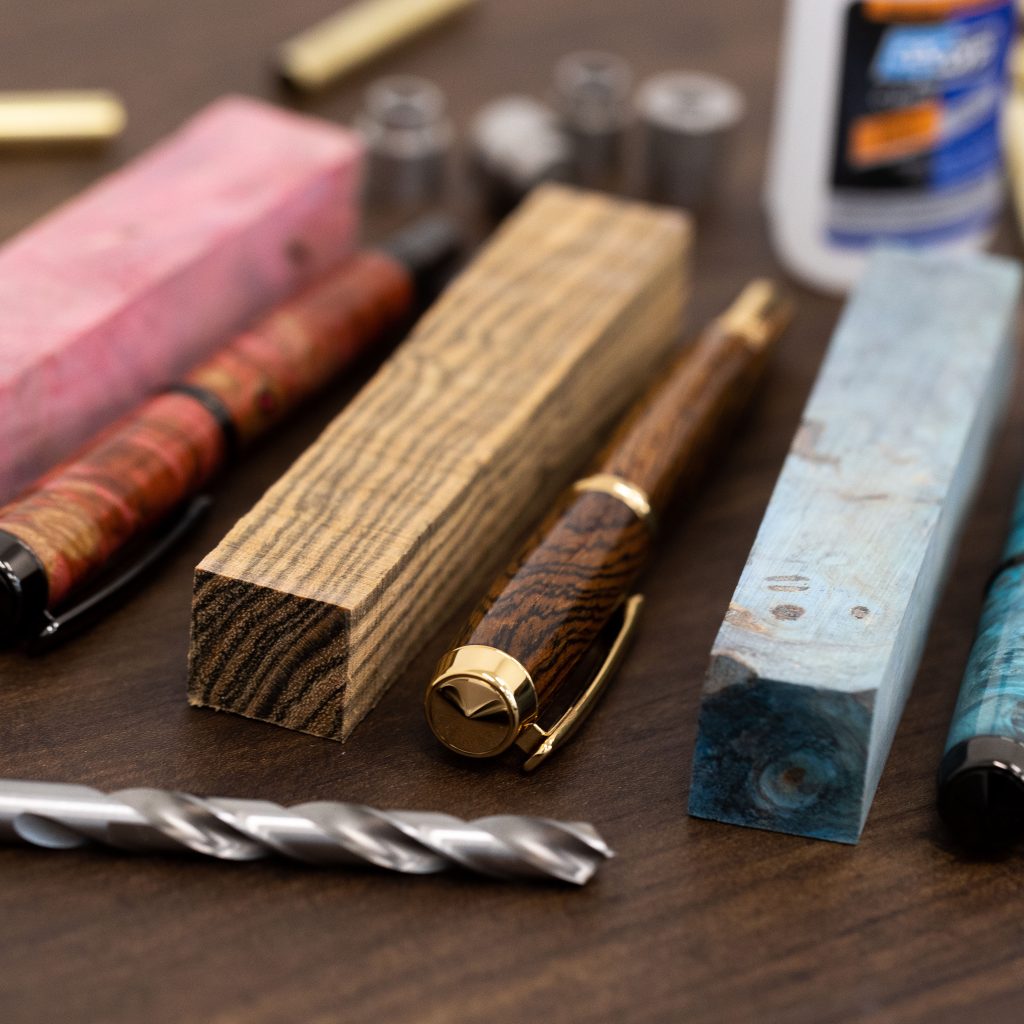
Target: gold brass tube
x=60, y=116
x=355, y=35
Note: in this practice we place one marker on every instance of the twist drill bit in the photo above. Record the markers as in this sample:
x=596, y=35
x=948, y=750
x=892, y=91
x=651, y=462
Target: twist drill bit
x=64, y=817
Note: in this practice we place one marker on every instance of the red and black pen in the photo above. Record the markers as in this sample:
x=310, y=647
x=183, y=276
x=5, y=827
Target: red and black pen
x=71, y=523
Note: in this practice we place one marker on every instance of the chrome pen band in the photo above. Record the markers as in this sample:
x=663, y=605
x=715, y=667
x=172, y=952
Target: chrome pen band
x=632, y=496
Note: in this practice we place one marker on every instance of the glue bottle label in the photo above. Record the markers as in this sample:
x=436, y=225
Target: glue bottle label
x=916, y=155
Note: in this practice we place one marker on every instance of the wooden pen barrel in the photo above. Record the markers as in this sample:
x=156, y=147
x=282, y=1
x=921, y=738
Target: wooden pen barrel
x=134, y=474
x=266, y=372
x=667, y=442
x=548, y=609
x=551, y=604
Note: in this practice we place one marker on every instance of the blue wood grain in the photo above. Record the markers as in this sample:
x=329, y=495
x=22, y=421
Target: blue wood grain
x=814, y=661
x=811, y=750
x=991, y=701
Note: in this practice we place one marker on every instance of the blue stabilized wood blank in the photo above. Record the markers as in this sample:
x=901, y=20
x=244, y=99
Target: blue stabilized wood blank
x=813, y=663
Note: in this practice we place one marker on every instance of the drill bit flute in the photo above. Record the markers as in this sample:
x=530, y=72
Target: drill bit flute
x=63, y=817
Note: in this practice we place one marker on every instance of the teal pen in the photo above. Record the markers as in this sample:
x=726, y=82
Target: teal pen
x=981, y=777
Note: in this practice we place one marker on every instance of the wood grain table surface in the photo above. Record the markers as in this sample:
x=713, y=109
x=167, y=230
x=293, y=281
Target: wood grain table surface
x=694, y=921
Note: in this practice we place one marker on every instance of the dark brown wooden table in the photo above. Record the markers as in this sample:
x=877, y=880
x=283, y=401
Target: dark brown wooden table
x=694, y=921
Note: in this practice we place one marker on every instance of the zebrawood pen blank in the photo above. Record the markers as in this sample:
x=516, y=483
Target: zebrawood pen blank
x=318, y=598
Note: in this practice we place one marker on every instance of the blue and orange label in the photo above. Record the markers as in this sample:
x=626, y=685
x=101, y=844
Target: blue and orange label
x=916, y=154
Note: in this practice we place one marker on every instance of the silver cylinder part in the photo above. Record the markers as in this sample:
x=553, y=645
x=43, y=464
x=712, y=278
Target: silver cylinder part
x=592, y=97
x=408, y=136
x=688, y=119
x=517, y=143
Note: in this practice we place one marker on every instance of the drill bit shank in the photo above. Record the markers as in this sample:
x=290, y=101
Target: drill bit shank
x=61, y=816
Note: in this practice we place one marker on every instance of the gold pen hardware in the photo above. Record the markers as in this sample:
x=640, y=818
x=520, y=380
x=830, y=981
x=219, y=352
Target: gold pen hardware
x=481, y=701
x=538, y=742
x=60, y=116
x=758, y=313
x=631, y=495
x=355, y=35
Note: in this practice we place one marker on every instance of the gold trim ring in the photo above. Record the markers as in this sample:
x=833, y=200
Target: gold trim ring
x=633, y=497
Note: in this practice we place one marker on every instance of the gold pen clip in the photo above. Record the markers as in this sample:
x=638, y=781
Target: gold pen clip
x=539, y=743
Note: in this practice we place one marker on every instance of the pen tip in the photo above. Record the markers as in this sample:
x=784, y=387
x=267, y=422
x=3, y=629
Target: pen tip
x=760, y=312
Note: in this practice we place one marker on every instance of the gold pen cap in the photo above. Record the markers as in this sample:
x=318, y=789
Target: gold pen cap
x=479, y=701
x=60, y=116
x=355, y=35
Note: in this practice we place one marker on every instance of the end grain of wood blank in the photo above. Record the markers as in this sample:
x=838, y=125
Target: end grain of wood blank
x=318, y=598
x=814, y=662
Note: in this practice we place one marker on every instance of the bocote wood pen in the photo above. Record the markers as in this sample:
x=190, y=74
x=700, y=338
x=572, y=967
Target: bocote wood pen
x=571, y=584
x=68, y=527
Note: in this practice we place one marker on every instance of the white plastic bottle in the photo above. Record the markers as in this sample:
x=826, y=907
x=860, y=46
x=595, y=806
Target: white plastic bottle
x=886, y=130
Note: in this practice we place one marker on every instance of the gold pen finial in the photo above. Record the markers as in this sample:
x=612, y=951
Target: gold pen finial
x=482, y=701
x=479, y=700
x=762, y=310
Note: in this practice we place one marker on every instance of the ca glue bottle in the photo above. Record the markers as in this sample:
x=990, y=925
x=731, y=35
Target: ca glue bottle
x=886, y=130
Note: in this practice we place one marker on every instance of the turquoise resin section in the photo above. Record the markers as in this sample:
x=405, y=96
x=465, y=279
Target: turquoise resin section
x=991, y=701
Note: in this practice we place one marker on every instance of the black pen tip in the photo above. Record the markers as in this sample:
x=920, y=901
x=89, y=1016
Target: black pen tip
x=24, y=591
x=981, y=793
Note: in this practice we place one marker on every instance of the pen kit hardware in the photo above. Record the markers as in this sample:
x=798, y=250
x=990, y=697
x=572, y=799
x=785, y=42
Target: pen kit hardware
x=688, y=119
x=230, y=214
x=60, y=117
x=818, y=650
x=408, y=138
x=593, y=100
x=981, y=777
x=122, y=486
x=516, y=143
x=356, y=35
x=317, y=599
x=548, y=611
x=60, y=816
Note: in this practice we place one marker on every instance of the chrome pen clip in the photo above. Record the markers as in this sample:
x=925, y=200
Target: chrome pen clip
x=539, y=743
x=58, y=627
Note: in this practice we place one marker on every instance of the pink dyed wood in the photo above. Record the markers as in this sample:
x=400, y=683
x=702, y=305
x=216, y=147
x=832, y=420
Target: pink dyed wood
x=124, y=288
